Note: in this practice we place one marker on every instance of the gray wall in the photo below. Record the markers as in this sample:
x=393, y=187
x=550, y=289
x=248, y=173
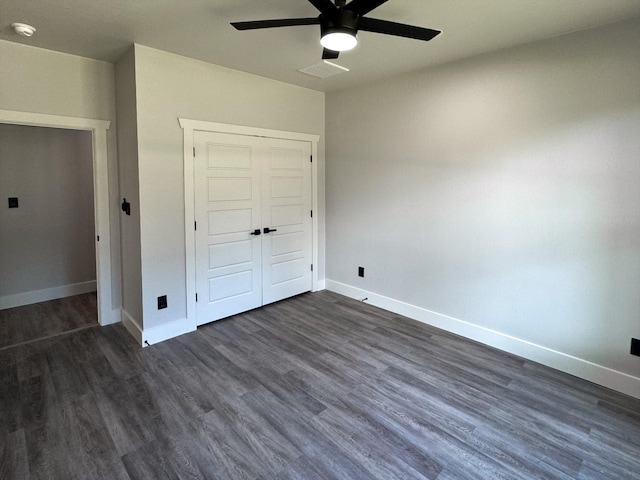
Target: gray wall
x=502, y=190
x=125, y=74
x=169, y=86
x=48, y=241
x=42, y=81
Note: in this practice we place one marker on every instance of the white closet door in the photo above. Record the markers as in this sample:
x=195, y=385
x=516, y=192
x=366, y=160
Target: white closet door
x=286, y=210
x=253, y=238
x=227, y=173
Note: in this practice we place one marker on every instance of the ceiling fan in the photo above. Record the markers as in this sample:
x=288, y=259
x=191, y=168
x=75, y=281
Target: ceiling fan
x=339, y=24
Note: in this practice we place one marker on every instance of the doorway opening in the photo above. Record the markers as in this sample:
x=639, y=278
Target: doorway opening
x=97, y=130
x=46, y=232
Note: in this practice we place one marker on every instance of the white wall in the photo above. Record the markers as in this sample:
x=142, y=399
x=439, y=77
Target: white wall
x=171, y=86
x=503, y=191
x=48, y=241
x=42, y=81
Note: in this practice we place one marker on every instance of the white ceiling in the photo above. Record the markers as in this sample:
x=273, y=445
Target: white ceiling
x=104, y=29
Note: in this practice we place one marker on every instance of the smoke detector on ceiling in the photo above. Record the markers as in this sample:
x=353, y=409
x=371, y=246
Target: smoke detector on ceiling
x=23, y=29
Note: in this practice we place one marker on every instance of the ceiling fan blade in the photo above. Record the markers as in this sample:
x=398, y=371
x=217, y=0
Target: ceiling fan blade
x=284, y=22
x=397, y=29
x=326, y=7
x=329, y=54
x=362, y=7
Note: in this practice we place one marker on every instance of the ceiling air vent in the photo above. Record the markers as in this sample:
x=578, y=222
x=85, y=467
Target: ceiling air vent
x=323, y=69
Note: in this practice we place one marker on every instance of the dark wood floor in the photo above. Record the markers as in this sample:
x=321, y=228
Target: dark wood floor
x=315, y=387
x=47, y=319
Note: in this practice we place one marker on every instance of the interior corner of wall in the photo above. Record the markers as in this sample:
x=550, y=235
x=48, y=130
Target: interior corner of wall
x=132, y=325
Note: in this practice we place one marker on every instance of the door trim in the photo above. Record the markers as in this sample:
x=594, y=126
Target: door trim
x=189, y=127
x=98, y=128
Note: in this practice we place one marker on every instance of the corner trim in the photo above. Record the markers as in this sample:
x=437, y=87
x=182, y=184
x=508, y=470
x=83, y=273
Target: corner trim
x=578, y=367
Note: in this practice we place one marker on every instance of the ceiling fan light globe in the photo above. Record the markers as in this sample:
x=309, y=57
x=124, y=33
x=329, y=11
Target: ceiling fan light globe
x=338, y=41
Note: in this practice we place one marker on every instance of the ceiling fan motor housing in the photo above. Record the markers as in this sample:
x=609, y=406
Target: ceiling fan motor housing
x=345, y=21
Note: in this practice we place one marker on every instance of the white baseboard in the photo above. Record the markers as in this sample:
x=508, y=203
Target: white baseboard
x=151, y=336
x=114, y=316
x=581, y=368
x=37, y=296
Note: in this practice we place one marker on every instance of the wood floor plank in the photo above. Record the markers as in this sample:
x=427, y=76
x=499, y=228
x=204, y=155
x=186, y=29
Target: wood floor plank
x=188, y=458
x=46, y=448
x=149, y=462
x=305, y=405
x=68, y=380
x=169, y=405
x=377, y=457
x=10, y=410
x=538, y=444
x=30, y=360
x=200, y=348
x=233, y=456
x=627, y=455
x=302, y=468
x=519, y=459
x=143, y=403
x=448, y=446
x=121, y=350
x=13, y=455
x=290, y=341
x=327, y=458
x=126, y=430
x=37, y=399
x=88, y=442
x=274, y=450
x=393, y=399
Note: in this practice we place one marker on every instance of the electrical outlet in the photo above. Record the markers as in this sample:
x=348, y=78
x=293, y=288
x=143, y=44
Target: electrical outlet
x=13, y=202
x=635, y=347
x=162, y=302
x=361, y=271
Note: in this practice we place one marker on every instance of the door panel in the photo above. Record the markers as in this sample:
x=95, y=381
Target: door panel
x=226, y=222
x=230, y=254
x=227, y=208
x=233, y=189
x=287, y=242
x=224, y=287
x=286, y=207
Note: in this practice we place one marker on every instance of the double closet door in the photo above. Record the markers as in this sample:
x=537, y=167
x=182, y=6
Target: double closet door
x=253, y=222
